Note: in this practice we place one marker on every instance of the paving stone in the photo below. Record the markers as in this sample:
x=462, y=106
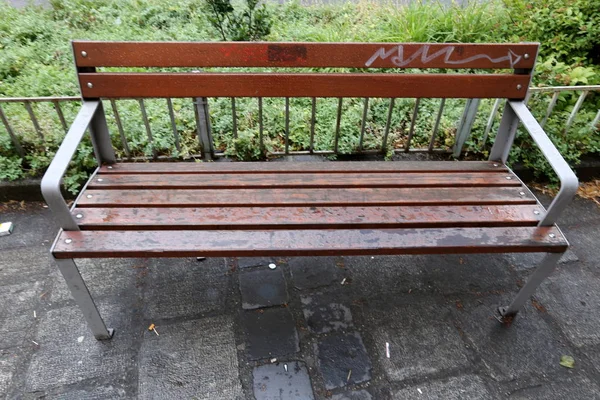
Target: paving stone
x=314, y=272
x=323, y=313
x=193, y=359
x=340, y=353
x=574, y=387
x=272, y=382
x=422, y=338
x=115, y=390
x=249, y=262
x=526, y=261
x=373, y=276
x=17, y=303
x=527, y=347
x=572, y=296
x=270, y=333
x=594, y=354
x=33, y=227
x=584, y=241
x=103, y=277
x=63, y=359
x=357, y=395
x=262, y=288
x=466, y=387
x=19, y=265
x=184, y=287
x=9, y=362
x=471, y=273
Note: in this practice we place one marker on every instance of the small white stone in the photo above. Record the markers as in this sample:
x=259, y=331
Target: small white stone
x=80, y=339
x=272, y=266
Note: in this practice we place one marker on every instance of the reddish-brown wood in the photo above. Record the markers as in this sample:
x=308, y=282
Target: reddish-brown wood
x=303, y=197
x=342, y=167
x=355, y=55
x=307, y=242
x=128, y=85
x=307, y=180
x=305, y=217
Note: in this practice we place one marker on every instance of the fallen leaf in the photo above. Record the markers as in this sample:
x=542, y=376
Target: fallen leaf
x=538, y=306
x=567, y=361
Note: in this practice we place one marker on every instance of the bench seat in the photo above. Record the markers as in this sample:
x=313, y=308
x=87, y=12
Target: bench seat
x=296, y=209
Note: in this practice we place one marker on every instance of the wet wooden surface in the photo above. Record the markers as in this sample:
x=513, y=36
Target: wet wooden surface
x=326, y=208
x=304, y=197
x=198, y=218
x=355, y=55
x=132, y=85
x=306, y=180
x=306, y=242
x=275, y=167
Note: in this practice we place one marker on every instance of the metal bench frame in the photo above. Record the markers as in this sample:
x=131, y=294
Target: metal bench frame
x=92, y=117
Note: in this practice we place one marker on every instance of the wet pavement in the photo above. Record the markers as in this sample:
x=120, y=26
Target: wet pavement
x=393, y=327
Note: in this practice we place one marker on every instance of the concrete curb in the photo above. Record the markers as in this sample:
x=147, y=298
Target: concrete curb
x=27, y=189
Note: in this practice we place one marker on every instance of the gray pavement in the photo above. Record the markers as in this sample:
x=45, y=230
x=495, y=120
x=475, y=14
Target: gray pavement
x=235, y=329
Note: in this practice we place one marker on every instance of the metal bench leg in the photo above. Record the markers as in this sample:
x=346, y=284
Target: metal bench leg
x=84, y=300
x=542, y=272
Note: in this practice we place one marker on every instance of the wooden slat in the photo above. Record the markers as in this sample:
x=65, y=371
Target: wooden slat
x=307, y=180
x=303, y=197
x=306, y=242
x=305, y=217
x=342, y=167
x=355, y=55
x=128, y=85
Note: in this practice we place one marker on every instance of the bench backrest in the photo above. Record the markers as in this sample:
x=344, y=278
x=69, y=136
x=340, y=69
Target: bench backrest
x=518, y=59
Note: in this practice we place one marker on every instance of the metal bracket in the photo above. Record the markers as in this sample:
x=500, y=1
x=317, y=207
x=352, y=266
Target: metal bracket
x=568, y=179
x=466, y=125
x=84, y=300
x=55, y=172
x=203, y=126
x=546, y=267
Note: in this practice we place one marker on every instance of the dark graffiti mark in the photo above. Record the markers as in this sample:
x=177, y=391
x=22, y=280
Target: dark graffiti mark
x=287, y=53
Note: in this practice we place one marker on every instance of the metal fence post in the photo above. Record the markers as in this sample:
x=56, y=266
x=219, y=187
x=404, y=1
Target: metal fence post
x=596, y=120
x=12, y=135
x=203, y=127
x=465, y=126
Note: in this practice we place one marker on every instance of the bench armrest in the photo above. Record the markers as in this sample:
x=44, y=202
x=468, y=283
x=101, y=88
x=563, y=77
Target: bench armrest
x=568, y=179
x=60, y=163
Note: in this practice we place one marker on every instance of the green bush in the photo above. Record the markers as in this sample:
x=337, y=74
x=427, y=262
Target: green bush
x=253, y=23
x=568, y=30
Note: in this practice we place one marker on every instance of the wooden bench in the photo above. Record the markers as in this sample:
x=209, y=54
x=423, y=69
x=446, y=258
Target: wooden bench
x=300, y=209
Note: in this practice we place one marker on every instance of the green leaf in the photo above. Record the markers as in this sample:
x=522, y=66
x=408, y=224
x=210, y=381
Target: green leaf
x=567, y=361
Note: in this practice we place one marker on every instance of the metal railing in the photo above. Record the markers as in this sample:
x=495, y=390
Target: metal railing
x=207, y=144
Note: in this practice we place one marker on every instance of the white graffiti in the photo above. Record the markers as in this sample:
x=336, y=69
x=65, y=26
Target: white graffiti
x=399, y=60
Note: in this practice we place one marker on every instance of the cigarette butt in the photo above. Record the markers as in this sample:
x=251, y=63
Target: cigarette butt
x=34, y=342
x=343, y=281
x=349, y=374
x=387, y=349
x=155, y=332
x=34, y=314
x=285, y=367
x=151, y=327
